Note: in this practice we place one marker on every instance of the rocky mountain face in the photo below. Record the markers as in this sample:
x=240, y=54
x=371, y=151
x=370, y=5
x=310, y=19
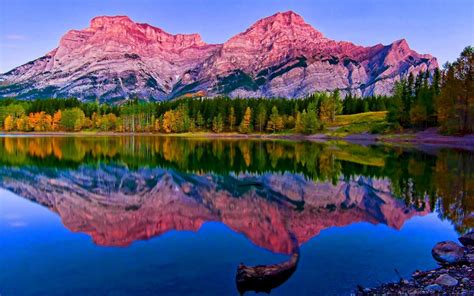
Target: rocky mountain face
x=116, y=205
x=280, y=55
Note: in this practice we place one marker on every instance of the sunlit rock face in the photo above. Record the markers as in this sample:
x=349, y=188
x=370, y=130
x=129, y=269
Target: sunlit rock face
x=281, y=55
x=117, y=206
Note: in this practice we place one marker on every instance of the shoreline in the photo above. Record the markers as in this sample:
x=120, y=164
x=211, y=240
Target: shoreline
x=427, y=137
x=453, y=276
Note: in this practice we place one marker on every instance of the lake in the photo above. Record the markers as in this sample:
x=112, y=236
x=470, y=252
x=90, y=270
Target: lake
x=152, y=215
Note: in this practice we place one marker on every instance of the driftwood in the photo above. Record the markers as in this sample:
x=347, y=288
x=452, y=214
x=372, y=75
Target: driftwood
x=264, y=278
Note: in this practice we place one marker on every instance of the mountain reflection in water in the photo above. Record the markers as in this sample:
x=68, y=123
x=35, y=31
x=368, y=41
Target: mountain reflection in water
x=122, y=189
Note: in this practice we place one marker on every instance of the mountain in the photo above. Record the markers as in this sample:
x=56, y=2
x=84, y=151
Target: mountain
x=127, y=205
x=281, y=55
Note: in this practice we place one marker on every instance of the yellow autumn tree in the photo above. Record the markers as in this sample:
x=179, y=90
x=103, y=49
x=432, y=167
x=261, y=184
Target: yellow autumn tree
x=168, y=121
x=156, y=126
x=8, y=123
x=21, y=123
x=32, y=121
x=56, y=120
x=246, y=124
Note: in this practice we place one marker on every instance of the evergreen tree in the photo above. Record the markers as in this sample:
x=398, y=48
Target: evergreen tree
x=299, y=122
x=232, y=119
x=218, y=123
x=311, y=119
x=455, y=103
x=261, y=117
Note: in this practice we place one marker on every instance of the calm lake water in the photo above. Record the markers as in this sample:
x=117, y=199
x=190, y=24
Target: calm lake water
x=173, y=216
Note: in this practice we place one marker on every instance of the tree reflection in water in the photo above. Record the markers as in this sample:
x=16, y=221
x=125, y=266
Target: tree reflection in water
x=279, y=194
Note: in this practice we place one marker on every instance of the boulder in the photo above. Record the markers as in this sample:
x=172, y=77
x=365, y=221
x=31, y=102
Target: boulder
x=470, y=258
x=467, y=239
x=447, y=252
x=446, y=280
x=433, y=288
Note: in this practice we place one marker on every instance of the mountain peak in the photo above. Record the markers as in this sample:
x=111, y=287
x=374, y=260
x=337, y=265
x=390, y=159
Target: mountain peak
x=101, y=21
x=284, y=19
x=401, y=43
x=289, y=23
x=287, y=17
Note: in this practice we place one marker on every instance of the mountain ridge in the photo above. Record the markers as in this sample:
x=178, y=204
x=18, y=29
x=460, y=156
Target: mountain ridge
x=278, y=56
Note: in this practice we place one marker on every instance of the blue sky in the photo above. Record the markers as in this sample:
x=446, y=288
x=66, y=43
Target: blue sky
x=30, y=28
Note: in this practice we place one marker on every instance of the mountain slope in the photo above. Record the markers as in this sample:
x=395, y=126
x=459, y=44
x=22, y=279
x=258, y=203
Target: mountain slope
x=280, y=55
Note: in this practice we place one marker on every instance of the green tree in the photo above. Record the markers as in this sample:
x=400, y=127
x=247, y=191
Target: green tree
x=73, y=119
x=218, y=123
x=275, y=123
x=311, y=123
x=200, y=123
x=261, y=117
x=232, y=119
x=396, y=110
x=455, y=103
x=299, y=122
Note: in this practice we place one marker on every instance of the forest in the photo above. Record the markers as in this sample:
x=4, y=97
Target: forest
x=442, y=98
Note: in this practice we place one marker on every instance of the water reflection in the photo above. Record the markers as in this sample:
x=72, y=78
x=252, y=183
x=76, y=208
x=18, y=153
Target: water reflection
x=278, y=194
x=264, y=278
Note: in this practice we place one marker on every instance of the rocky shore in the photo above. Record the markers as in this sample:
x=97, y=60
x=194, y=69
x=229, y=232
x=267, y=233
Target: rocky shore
x=455, y=276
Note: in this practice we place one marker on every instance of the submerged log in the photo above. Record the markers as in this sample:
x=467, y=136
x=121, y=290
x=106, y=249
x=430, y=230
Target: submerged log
x=264, y=278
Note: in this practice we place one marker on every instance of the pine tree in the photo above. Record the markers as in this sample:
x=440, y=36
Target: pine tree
x=395, y=111
x=261, y=117
x=311, y=122
x=299, y=124
x=218, y=123
x=200, y=120
x=336, y=97
x=232, y=119
x=455, y=103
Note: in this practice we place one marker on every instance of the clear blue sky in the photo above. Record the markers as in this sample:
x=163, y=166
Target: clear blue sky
x=30, y=28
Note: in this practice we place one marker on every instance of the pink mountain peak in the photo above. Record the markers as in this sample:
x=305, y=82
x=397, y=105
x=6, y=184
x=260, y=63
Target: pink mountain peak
x=101, y=21
x=288, y=17
x=123, y=24
x=402, y=43
x=280, y=24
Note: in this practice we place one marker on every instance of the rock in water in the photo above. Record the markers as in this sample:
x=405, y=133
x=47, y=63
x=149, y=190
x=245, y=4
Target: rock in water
x=447, y=252
x=446, y=280
x=467, y=239
x=433, y=288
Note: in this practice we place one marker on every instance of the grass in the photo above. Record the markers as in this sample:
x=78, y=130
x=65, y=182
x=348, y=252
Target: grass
x=368, y=122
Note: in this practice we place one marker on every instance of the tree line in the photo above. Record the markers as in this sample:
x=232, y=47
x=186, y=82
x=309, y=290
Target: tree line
x=439, y=98
x=222, y=114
